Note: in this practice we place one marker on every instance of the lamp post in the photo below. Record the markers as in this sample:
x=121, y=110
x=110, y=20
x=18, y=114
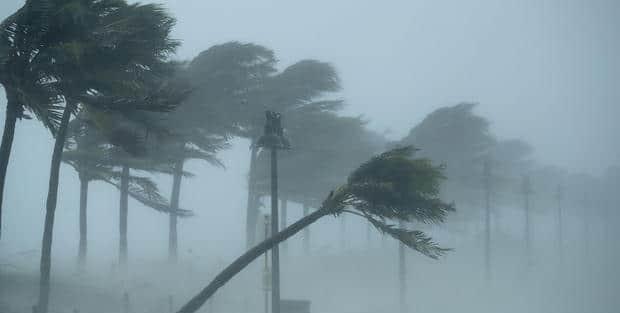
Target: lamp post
x=274, y=139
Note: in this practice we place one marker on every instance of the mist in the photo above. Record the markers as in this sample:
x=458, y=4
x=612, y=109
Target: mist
x=512, y=102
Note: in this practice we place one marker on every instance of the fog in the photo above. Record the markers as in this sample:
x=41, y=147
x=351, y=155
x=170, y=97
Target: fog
x=542, y=72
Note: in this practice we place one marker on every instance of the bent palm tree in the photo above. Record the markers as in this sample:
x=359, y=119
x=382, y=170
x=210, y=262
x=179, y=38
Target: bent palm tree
x=26, y=76
x=391, y=186
x=111, y=49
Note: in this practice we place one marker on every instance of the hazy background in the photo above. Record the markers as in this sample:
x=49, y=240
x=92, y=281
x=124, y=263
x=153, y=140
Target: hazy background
x=543, y=71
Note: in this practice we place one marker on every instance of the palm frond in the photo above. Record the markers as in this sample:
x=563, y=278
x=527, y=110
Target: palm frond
x=414, y=239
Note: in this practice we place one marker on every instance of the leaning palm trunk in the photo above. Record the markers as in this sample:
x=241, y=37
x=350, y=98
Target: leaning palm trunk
x=174, y=199
x=251, y=210
x=306, y=233
x=50, y=210
x=244, y=260
x=123, y=212
x=12, y=113
x=385, y=181
x=83, y=221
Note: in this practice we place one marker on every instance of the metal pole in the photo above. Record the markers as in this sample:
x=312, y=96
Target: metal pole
x=487, y=221
x=560, y=195
x=266, y=269
x=275, y=253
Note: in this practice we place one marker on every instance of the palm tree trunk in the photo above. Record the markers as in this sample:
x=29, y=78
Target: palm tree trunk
x=487, y=232
x=83, y=220
x=244, y=260
x=251, y=210
x=402, y=273
x=306, y=233
x=122, y=252
x=174, y=205
x=12, y=113
x=50, y=210
x=487, y=218
x=527, y=229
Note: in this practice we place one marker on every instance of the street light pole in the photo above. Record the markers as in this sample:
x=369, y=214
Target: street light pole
x=275, y=252
x=274, y=140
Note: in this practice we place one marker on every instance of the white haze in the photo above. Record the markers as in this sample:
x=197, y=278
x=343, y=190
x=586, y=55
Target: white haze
x=542, y=71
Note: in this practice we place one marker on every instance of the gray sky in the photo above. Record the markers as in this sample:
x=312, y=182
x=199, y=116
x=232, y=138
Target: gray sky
x=541, y=70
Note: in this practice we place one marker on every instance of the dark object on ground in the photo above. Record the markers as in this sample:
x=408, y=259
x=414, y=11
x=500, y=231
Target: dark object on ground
x=295, y=306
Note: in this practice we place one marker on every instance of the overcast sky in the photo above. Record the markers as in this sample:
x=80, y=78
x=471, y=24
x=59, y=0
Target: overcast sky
x=544, y=71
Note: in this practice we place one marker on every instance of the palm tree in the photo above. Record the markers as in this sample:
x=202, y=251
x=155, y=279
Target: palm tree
x=26, y=75
x=239, y=82
x=102, y=62
x=90, y=154
x=389, y=187
x=223, y=76
x=195, y=133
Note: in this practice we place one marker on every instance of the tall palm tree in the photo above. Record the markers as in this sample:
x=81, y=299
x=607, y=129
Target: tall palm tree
x=103, y=52
x=389, y=187
x=195, y=133
x=26, y=75
x=224, y=76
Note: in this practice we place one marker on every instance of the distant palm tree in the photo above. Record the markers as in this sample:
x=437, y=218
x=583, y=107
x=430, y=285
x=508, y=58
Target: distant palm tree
x=89, y=153
x=239, y=81
x=391, y=186
x=195, y=132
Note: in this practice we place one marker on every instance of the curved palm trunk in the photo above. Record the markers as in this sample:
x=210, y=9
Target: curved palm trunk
x=83, y=221
x=123, y=212
x=174, y=205
x=50, y=210
x=251, y=209
x=244, y=260
x=306, y=233
x=12, y=113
